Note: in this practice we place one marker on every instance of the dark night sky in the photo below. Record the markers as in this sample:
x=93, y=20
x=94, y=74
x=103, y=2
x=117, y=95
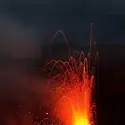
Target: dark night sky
x=45, y=16
x=32, y=23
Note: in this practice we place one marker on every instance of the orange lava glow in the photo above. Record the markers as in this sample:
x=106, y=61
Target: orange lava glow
x=73, y=92
x=74, y=106
x=75, y=84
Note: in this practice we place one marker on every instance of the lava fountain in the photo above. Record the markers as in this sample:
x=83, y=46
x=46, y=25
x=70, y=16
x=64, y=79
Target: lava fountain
x=74, y=92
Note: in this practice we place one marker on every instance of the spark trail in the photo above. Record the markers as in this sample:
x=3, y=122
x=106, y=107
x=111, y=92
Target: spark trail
x=74, y=92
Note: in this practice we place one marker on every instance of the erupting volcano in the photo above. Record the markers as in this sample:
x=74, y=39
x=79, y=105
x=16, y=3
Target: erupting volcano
x=75, y=86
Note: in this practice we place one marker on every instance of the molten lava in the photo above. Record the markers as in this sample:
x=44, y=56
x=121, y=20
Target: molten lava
x=81, y=121
x=74, y=81
x=73, y=92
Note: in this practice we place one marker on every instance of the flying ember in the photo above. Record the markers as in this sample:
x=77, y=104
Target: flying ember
x=75, y=85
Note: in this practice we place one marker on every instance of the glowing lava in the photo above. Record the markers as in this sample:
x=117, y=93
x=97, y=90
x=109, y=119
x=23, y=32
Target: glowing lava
x=75, y=84
x=73, y=92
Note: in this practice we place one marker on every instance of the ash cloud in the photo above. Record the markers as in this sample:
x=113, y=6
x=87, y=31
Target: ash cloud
x=18, y=40
x=20, y=46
